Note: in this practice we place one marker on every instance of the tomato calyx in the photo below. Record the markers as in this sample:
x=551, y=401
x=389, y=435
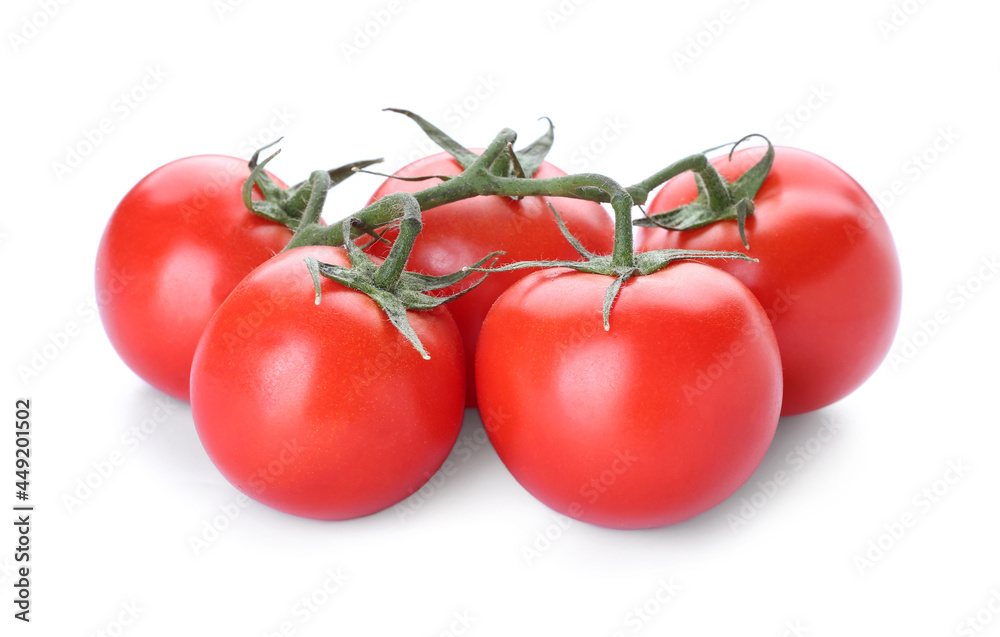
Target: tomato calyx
x=717, y=198
x=623, y=263
x=522, y=163
x=287, y=205
x=389, y=284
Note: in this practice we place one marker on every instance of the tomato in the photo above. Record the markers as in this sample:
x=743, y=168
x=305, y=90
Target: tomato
x=658, y=419
x=325, y=411
x=828, y=274
x=456, y=234
x=174, y=248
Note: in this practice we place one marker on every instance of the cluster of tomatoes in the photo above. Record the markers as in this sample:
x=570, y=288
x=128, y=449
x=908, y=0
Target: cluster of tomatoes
x=630, y=399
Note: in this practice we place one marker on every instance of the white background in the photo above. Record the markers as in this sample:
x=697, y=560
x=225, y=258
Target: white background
x=872, y=97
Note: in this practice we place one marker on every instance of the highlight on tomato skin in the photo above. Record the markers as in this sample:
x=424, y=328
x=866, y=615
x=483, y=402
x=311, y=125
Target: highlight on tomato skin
x=324, y=411
x=649, y=423
x=454, y=234
x=828, y=274
x=176, y=245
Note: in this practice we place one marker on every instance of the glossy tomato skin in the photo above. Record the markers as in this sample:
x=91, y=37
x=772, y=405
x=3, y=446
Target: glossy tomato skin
x=648, y=424
x=458, y=234
x=828, y=273
x=174, y=248
x=326, y=411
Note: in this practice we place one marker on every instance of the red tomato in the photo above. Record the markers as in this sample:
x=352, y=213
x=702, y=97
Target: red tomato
x=828, y=275
x=325, y=411
x=175, y=247
x=457, y=234
x=650, y=423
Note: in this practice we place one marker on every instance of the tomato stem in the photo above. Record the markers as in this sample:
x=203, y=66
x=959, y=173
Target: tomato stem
x=717, y=199
x=319, y=184
x=391, y=287
x=287, y=206
x=500, y=171
x=388, y=274
x=640, y=191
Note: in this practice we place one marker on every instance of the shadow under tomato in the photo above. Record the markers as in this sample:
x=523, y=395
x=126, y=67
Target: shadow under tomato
x=159, y=428
x=798, y=443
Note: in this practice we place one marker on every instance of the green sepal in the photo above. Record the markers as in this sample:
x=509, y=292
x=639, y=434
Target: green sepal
x=737, y=203
x=394, y=289
x=515, y=163
x=287, y=205
x=462, y=155
x=573, y=241
x=643, y=263
x=431, y=283
x=532, y=155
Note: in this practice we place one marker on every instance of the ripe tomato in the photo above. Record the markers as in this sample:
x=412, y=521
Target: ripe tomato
x=456, y=234
x=828, y=275
x=175, y=247
x=654, y=421
x=325, y=411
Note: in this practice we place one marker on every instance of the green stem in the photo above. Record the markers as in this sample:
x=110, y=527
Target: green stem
x=640, y=191
x=319, y=184
x=717, y=191
x=474, y=181
x=389, y=273
x=478, y=180
x=623, y=253
x=716, y=188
